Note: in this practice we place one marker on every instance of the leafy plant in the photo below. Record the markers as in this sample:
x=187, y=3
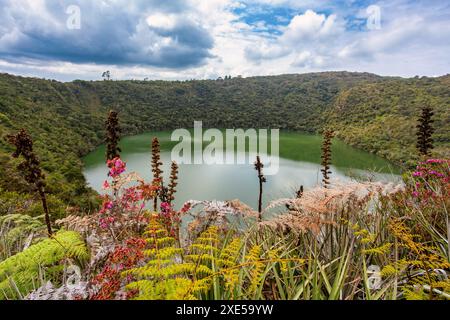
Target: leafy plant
x=17, y=232
x=23, y=272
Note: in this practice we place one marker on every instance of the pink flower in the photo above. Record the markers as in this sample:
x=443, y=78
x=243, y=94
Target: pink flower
x=103, y=224
x=434, y=161
x=106, y=185
x=166, y=207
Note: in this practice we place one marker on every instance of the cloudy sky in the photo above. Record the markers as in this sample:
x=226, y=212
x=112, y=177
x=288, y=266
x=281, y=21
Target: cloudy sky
x=205, y=39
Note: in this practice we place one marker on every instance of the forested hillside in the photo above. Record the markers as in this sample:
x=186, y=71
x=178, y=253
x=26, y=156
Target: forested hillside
x=381, y=117
x=66, y=120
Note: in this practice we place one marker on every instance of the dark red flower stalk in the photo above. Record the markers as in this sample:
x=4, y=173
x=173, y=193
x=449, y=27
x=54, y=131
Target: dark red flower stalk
x=112, y=136
x=30, y=168
x=425, y=131
x=173, y=182
x=156, y=170
x=326, y=156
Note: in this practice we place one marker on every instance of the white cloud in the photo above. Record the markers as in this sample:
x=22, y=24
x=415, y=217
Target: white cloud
x=161, y=20
x=309, y=40
x=310, y=26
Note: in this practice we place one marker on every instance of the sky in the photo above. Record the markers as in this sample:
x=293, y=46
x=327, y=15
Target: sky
x=207, y=39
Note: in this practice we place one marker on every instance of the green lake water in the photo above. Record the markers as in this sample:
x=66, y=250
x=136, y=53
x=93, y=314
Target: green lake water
x=299, y=165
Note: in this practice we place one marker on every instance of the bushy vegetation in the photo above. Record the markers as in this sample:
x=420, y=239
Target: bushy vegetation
x=381, y=117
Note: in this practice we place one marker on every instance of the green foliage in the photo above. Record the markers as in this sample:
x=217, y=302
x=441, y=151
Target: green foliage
x=381, y=116
x=112, y=136
x=29, y=204
x=212, y=267
x=26, y=270
x=326, y=156
x=160, y=277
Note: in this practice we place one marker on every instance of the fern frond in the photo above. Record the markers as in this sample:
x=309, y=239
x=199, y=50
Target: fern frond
x=257, y=268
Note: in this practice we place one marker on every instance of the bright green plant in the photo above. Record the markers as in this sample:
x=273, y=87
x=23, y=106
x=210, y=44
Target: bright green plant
x=26, y=270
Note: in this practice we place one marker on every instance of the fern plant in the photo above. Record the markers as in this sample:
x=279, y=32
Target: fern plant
x=211, y=268
x=164, y=275
x=21, y=273
x=422, y=266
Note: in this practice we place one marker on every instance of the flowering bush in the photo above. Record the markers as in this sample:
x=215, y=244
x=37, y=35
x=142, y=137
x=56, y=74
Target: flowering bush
x=124, y=202
x=171, y=219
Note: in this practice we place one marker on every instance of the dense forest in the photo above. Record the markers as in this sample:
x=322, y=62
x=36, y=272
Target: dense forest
x=374, y=113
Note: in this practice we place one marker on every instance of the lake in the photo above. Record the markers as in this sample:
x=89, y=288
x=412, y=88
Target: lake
x=299, y=165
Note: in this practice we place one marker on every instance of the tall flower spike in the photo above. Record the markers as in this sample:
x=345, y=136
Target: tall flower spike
x=157, y=172
x=173, y=182
x=425, y=131
x=30, y=168
x=326, y=156
x=112, y=136
x=258, y=167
